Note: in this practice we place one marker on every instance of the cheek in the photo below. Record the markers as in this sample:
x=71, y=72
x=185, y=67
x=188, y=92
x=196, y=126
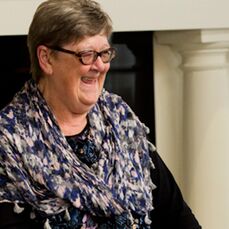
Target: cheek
x=107, y=67
x=104, y=73
x=82, y=70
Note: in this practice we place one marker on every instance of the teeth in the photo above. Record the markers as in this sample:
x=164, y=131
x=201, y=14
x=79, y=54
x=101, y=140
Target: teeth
x=87, y=79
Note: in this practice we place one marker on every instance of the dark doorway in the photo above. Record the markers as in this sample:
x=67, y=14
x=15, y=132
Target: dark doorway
x=14, y=66
x=131, y=74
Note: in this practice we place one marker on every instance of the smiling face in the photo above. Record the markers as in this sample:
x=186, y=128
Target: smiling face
x=68, y=85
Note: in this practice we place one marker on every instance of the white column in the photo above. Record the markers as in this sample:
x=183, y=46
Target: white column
x=205, y=155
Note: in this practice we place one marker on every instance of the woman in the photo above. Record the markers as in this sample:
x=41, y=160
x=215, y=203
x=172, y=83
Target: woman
x=73, y=155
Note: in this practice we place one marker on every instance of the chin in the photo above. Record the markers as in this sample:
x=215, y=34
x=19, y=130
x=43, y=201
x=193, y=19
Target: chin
x=91, y=98
x=90, y=102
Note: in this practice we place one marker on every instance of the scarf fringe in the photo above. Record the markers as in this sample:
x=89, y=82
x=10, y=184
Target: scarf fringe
x=67, y=216
x=147, y=220
x=47, y=225
x=17, y=208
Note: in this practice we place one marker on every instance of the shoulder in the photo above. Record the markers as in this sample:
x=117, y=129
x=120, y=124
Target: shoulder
x=115, y=105
x=21, y=111
x=11, y=118
x=112, y=108
x=14, y=118
x=111, y=99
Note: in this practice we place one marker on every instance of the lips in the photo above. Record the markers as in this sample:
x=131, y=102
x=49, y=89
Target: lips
x=88, y=80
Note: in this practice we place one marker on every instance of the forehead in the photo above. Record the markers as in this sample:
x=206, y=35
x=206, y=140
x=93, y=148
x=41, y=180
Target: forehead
x=98, y=41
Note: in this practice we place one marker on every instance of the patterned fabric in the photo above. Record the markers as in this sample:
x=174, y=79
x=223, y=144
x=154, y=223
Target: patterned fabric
x=38, y=166
x=83, y=148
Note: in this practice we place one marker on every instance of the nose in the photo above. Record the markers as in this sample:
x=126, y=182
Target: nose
x=99, y=65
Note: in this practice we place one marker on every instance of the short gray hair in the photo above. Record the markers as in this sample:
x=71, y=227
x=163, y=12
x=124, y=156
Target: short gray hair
x=57, y=22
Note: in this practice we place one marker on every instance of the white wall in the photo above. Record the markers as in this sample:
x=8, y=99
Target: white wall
x=192, y=110
x=168, y=87
x=167, y=14
x=16, y=15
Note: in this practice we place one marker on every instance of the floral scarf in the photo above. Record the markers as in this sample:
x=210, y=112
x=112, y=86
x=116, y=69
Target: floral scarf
x=38, y=166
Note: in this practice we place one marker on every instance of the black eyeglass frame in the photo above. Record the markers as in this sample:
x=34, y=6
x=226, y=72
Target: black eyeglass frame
x=80, y=54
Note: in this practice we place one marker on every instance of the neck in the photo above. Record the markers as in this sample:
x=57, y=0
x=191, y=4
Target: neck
x=72, y=126
x=70, y=123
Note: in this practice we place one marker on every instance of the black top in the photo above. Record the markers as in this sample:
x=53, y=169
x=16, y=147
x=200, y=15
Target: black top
x=170, y=210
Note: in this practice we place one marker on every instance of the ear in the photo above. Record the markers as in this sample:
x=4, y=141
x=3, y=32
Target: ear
x=44, y=59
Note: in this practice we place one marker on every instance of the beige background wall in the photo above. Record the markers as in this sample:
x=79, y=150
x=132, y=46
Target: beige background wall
x=192, y=109
x=15, y=15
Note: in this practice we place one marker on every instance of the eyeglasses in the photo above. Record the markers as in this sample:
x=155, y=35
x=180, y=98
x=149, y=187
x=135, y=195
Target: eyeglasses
x=90, y=56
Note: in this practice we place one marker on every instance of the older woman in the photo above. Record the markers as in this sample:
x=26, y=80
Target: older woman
x=72, y=155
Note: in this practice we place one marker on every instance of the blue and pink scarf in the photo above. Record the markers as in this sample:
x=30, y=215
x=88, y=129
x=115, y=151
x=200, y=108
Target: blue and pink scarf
x=38, y=167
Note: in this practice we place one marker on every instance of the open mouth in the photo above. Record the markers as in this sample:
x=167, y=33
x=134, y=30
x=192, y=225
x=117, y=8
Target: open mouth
x=88, y=80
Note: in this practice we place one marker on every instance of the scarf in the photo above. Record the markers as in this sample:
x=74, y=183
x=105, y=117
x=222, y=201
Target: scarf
x=38, y=167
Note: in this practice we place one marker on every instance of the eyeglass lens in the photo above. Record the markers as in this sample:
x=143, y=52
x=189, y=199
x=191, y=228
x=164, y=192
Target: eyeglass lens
x=89, y=57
